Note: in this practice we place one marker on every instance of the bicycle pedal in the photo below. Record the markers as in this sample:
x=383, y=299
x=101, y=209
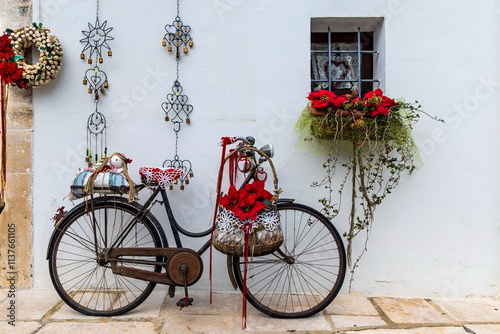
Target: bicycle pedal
x=185, y=302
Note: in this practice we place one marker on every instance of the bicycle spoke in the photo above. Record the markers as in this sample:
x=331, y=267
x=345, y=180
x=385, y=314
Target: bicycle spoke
x=304, y=276
x=87, y=244
x=83, y=278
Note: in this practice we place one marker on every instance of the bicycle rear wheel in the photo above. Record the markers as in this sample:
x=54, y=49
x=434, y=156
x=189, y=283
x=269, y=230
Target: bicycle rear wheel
x=304, y=275
x=79, y=270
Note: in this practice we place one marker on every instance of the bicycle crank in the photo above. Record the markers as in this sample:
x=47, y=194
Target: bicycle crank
x=183, y=265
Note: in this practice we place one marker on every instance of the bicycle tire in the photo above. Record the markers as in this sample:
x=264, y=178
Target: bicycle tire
x=87, y=285
x=308, y=278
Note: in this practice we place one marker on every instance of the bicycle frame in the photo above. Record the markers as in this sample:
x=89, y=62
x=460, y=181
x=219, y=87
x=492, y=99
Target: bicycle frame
x=174, y=225
x=106, y=254
x=177, y=229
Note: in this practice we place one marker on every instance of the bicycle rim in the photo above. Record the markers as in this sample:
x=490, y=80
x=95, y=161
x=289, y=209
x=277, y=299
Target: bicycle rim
x=82, y=277
x=305, y=275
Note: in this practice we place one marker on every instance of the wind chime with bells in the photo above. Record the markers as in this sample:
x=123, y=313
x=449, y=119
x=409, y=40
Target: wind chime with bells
x=176, y=107
x=96, y=41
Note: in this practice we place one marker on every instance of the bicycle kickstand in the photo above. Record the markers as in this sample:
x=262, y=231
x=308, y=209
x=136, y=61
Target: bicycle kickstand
x=186, y=301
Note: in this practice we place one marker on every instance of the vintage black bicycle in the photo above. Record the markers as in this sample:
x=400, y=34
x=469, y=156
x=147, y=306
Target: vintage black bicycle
x=106, y=255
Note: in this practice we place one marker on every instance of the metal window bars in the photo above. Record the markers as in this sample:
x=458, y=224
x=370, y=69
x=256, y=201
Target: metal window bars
x=358, y=51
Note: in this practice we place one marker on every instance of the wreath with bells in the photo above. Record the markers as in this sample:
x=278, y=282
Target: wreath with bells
x=50, y=48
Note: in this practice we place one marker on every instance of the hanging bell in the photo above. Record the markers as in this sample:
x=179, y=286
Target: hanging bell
x=96, y=97
x=182, y=187
x=102, y=90
x=85, y=81
x=191, y=174
x=110, y=53
x=169, y=49
x=167, y=118
x=100, y=60
x=163, y=43
x=178, y=54
x=185, y=50
x=106, y=84
x=89, y=90
x=176, y=181
x=188, y=120
x=191, y=43
x=171, y=187
x=89, y=61
x=187, y=181
x=82, y=56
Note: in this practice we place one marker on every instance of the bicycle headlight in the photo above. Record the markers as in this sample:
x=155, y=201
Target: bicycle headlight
x=268, y=150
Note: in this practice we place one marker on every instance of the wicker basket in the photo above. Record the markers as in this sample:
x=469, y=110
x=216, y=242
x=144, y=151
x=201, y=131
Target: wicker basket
x=229, y=238
x=347, y=126
x=260, y=242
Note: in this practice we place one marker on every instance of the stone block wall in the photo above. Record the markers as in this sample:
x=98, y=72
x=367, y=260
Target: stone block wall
x=18, y=208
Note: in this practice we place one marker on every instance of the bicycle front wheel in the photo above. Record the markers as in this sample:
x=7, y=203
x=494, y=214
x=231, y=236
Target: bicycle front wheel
x=79, y=268
x=304, y=275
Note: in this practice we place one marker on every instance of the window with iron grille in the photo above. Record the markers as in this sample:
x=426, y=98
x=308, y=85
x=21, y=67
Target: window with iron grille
x=347, y=59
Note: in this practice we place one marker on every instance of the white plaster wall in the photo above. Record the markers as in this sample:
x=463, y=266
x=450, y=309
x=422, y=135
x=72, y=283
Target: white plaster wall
x=248, y=74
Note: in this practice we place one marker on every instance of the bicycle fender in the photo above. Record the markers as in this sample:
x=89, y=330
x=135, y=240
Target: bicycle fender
x=69, y=215
x=286, y=200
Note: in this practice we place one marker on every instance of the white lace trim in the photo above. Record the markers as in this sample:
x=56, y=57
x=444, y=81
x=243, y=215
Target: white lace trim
x=227, y=221
x=160, y=176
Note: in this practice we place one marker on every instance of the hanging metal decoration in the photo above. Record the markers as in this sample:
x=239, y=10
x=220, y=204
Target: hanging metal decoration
x=176, y=108
x=176, y=162
x=177, y=35
x=97, y=80
x=96, y=131
x=96, y=38
x=176, y=105
x=96, y=41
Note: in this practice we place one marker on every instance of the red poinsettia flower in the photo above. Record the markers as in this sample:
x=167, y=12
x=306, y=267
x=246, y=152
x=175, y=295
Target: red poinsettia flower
x=6, y=47
x=376, y=92
x=321, y=99
x=247, y=202
x=339, y=101
x=384, y=107
x=231, y=200
x=12, y=74
x=353, y=100
x=378, y=102
x=248, y=207
x=256, y=188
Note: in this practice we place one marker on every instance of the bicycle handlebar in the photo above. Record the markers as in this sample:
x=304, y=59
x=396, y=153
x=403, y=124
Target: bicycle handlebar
x=247, y=140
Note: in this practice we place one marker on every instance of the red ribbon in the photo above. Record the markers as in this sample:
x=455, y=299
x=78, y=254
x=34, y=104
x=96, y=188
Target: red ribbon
x=4, y=135
x=246, y=227
x=233, y=168
x=3, y=120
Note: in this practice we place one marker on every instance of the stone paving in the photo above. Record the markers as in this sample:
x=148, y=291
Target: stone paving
x=41, y=311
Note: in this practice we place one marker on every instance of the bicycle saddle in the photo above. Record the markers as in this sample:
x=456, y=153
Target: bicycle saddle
x=161, y=177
